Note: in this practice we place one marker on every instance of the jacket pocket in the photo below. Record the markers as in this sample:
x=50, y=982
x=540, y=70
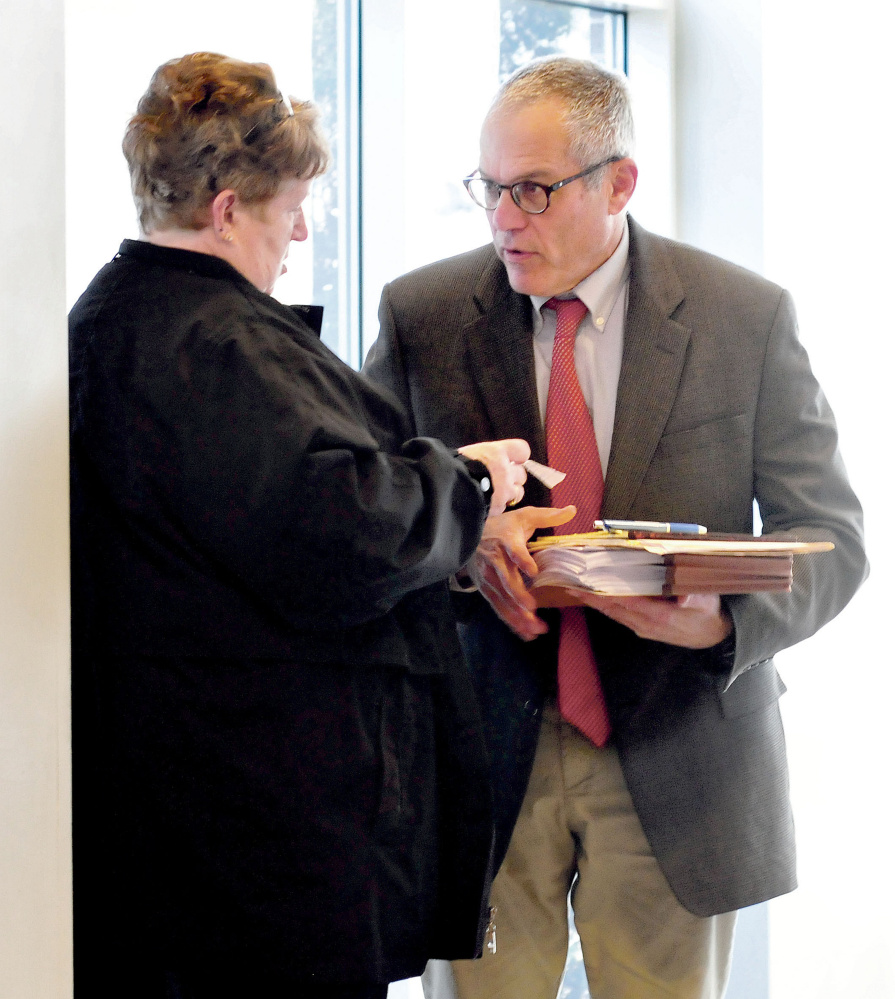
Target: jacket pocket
x=723, y=431
x=755, y=688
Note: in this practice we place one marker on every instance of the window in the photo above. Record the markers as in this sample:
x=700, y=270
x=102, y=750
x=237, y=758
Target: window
x=427, y=82
x=426, y=76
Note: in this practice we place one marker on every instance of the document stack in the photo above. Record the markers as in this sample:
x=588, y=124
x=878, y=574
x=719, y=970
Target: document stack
x=638, y=563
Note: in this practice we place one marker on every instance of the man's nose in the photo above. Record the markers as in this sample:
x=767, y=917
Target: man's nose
x=508, y=215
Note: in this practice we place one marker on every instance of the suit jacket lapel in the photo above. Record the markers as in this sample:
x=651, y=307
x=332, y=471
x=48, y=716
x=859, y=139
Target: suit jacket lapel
x=499, y=342
x=655, y=349
x=499, y=345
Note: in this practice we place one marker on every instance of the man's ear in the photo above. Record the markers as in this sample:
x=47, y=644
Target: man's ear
x=222, y=213
x=623, y=179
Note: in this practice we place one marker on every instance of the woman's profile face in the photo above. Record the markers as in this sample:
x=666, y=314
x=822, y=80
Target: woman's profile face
x=262, y=234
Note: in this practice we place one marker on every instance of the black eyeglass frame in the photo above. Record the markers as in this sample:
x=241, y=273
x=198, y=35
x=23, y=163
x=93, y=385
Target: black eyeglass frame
x=548, y=189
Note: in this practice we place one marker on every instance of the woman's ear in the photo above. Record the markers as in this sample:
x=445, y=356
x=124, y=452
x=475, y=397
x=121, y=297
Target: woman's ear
x=222, y=214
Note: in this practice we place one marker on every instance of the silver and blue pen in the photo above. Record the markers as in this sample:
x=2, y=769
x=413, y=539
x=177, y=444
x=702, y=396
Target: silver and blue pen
x=655, y=527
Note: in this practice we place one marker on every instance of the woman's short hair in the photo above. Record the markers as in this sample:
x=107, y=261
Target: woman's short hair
x=208, y=123
x=596, y=103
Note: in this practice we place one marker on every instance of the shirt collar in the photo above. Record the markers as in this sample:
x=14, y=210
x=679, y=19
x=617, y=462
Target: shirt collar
x=599, y=290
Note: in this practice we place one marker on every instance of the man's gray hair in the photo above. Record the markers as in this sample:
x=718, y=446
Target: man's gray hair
x=596, y=101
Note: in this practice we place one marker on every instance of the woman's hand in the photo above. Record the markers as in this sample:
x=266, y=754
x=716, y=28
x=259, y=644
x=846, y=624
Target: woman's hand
x=503, y=459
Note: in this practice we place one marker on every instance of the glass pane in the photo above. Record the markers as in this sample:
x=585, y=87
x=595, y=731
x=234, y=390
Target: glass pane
x=335, y=219
x=534, y=28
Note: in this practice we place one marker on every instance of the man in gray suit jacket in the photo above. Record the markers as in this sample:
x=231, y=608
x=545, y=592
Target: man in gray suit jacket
x=702, y=401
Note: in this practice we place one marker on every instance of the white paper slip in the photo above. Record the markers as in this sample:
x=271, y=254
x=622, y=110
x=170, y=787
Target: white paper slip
x=543, y=473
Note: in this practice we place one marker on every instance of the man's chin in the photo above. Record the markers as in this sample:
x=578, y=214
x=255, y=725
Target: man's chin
x=525, y=281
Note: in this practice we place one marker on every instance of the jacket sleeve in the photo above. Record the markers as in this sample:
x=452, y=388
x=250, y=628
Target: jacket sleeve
x=801, y=488
x=290, y=472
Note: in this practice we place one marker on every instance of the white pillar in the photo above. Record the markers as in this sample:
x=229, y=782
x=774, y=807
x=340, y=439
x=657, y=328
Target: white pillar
x=35, y=897
x=718, y=90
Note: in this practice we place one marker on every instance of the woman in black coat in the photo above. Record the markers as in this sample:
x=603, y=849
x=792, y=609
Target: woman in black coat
x=280, y=787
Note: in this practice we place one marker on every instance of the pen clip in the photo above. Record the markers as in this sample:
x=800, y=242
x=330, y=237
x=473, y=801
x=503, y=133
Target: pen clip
x=617, y=532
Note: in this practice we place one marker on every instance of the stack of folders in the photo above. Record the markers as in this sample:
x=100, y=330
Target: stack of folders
x=639, y=564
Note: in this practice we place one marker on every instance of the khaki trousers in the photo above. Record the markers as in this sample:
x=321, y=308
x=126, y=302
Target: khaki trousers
x=578, y=833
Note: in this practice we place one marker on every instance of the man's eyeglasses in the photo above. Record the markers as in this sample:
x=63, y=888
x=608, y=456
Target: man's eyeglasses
x=529, y=196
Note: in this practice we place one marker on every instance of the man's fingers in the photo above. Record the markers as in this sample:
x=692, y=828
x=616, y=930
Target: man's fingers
x=502, y=585
x=523, y=621
x=696, y=623
x=549, y=516
x=497, y=567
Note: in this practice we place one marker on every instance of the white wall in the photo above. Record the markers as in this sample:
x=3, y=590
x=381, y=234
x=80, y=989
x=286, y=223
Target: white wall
x=829, y=214
x=651, y=35
x=784, y=123
x=718, y=85
x=34, y=770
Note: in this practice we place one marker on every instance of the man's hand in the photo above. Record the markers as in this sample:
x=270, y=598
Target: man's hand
x=503, y=460
x=696, y=621
x=502, y=565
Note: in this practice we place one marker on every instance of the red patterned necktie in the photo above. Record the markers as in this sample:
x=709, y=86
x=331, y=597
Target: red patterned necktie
x=572, y=447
